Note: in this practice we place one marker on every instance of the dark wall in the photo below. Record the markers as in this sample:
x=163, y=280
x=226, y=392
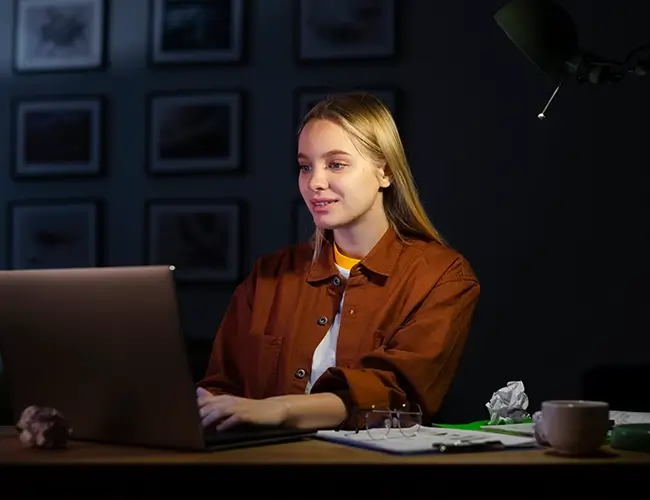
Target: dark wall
x=551, y=214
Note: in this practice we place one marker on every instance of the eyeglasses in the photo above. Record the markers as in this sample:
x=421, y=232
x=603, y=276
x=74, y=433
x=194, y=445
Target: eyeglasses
x=378, y=423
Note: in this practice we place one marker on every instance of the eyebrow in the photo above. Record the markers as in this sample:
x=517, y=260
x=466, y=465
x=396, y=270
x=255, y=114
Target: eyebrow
x=332, y=152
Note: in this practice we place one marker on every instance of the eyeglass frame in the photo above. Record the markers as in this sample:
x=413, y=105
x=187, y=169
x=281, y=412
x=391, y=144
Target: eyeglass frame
x=392, y=416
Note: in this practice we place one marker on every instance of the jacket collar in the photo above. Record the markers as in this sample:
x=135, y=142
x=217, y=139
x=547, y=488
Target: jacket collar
x=380, y=260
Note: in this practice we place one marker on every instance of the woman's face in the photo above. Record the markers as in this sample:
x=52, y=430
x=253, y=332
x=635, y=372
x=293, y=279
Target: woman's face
x=341, y=187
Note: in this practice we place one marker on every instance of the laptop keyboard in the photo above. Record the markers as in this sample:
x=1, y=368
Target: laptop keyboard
x=252, y=433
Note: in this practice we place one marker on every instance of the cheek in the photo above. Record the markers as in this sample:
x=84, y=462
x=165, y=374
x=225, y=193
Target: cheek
x=359, y=192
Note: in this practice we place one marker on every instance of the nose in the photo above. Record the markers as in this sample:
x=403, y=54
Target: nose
x=317, y=180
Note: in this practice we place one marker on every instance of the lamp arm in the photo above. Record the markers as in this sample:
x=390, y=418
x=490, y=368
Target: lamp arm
x=595, y=70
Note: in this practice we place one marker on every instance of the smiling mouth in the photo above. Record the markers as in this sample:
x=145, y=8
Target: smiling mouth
x=323, y=203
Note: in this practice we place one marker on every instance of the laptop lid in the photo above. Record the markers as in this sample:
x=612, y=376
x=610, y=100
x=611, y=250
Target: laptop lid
x=104, y=347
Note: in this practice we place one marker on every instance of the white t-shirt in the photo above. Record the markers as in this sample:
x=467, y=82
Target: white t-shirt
x=325, y=353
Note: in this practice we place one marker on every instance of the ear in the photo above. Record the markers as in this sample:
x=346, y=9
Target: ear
x=384, y=179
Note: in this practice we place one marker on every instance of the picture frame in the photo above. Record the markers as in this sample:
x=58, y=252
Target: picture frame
x=307, y=97
x=302, y=222
x=195, y=132
x=55, y=233
x=42, y=128
x=197, y=32
x=352, y=30
x=202, y=239
x=59, y=35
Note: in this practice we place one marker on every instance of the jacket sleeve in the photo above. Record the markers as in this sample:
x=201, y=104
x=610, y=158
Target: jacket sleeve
x=419, y=361
x=223, y=375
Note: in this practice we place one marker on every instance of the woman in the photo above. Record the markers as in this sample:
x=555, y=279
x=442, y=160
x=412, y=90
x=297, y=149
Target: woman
x=372, y=312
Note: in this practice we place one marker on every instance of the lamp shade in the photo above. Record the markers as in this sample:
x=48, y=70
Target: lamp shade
x=544, y=32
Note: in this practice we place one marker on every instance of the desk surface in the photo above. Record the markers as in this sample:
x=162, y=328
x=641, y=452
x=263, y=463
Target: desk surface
x=303, y=452
x=312, y=458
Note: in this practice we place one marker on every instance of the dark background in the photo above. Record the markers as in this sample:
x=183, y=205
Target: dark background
x=552, y=215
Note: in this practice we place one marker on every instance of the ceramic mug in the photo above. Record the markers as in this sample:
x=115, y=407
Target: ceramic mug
x=573, y=427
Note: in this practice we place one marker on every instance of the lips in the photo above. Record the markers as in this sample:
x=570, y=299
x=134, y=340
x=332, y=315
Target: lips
x=322, y=203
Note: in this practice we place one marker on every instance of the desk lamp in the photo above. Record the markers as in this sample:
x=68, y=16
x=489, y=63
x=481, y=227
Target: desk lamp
x=547, y=36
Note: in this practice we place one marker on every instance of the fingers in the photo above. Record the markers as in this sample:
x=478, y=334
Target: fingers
x=213, y=417
x=201, y=392
x=222, y=411
x=203, y=396
x=229, y=422
x=222, y=400
x=216, y=408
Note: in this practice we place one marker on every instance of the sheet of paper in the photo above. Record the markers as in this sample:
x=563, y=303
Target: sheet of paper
x=423, y=441
x=619, y=417
x=629, y=417
x=526, y=428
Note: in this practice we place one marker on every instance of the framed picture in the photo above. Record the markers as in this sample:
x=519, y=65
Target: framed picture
x=202, y=239
x=58, y=137
x=49, y=234
x=197, y=31
x=346, y=29
x=59, y=35
x=302, y=221
x=195, y=132
x=306, y=98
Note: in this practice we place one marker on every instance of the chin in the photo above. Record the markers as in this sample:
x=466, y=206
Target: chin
x=330, y=224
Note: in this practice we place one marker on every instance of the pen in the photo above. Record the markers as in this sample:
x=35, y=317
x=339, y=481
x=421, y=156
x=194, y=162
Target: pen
x=468, y=447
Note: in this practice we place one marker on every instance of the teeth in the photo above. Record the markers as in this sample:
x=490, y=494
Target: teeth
x=323, y=203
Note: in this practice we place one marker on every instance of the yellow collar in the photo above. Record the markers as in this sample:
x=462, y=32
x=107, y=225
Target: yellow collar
x=381, y=260
x=344, y=261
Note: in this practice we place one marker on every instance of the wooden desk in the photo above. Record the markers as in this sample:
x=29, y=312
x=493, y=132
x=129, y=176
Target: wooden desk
x=308, y=459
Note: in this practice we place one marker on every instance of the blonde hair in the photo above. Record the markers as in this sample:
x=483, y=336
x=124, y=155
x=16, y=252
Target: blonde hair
x=371, y=126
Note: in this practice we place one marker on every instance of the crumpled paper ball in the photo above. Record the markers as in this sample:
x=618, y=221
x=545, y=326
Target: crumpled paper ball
x=43, y=427
x=538, y=429
x=508, y=405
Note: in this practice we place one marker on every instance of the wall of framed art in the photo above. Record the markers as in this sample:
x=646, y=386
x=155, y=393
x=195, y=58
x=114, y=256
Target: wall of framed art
x=164, y=132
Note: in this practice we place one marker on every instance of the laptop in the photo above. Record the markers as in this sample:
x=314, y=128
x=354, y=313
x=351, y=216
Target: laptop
x=104, y=346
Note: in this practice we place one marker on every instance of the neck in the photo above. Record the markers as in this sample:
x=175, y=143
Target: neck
x=356, y=241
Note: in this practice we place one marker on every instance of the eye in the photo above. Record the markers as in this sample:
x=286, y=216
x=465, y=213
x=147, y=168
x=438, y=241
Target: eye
x=336, y=165
x=304, y=168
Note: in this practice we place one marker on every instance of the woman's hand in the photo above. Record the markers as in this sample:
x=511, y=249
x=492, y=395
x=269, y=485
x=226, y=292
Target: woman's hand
x=227, y=411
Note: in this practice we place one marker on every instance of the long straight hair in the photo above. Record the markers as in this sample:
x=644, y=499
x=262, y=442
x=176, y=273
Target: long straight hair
x=372, y=128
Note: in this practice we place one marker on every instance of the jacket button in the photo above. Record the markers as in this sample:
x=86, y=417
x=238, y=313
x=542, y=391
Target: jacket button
x=322, y=320
x=336, y=281
x=300, y=373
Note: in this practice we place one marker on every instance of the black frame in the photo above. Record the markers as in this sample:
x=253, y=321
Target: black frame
x=98, y=220
x=100, y=65
x=100, y=155
x=352, y=59
x=237, y=165
x=244, y=8
x=238, y=207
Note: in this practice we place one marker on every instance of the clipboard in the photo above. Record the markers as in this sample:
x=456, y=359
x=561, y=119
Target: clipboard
x=429, y=440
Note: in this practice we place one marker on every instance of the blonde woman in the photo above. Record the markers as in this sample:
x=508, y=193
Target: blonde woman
x=372, y=312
